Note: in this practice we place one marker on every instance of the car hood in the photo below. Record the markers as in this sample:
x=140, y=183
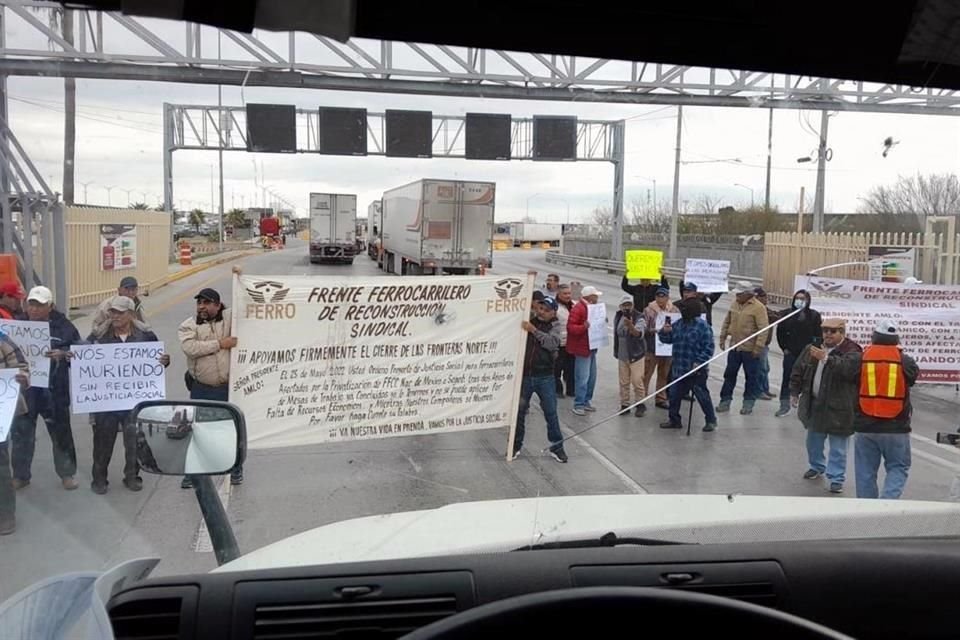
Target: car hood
x=504, y=525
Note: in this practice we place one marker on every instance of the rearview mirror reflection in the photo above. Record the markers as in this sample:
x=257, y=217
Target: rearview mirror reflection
x=187, y=438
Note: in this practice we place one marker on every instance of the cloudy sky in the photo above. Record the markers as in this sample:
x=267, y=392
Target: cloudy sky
x=119, y=142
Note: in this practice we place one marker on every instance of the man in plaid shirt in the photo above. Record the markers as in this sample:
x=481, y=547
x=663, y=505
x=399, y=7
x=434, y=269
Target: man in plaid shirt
x=692, y=340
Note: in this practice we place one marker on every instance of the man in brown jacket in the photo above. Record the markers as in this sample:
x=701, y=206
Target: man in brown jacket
x=745, y=318
x=10, y=358
x=206, y=340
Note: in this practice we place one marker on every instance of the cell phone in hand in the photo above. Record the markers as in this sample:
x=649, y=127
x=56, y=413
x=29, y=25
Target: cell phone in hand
x=817, y=342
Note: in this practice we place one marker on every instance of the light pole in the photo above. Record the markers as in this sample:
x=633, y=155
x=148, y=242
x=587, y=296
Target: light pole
x=85, y=185
x=653, y=180
x=128, y=192
x=750, y=189
x=144, y=194
x=529, y=198
x=109, y=188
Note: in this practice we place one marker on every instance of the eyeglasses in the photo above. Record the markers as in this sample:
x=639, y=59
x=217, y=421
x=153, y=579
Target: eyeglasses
x=831, y=330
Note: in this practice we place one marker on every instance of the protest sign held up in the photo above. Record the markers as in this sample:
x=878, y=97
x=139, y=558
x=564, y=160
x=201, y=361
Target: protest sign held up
x=115, y=377
x=643, y=264
x=9, y=392
x=336, y=359
x=710, y=276
x=597, y=333
x=33, y=339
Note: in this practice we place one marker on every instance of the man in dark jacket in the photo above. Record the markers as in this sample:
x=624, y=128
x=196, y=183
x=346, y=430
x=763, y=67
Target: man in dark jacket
x=884, y=375
x=543, y=341
x=123, y=328
x=826, y=402
x=793, y=336
x=629, y=349
x=645, y=292
x=11, y=357
x=692, y=340
x=52, y=403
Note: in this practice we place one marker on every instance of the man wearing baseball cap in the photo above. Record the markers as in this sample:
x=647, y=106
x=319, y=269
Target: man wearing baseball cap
x=129, y=288
x=51, y=403
x=11, y=296
x=660, y=364
x=578, y=345
x=123, y=328
x=746, y=317
x=206, y=342
x=884, y=374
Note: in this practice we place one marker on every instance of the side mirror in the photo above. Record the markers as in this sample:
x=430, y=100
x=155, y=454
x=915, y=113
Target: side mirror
x=189, y=437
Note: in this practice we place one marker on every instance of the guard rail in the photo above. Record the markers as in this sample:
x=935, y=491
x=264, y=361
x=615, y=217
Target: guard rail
x=618, y=266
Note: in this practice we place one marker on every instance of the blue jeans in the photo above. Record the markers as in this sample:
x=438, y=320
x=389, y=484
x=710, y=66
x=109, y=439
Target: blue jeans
x=751, y=370
x=894, y=448
x=835, y=466
x=789, y=359
x=546, y=389
x=698, y=384
x=765, y=371
x=585, y=376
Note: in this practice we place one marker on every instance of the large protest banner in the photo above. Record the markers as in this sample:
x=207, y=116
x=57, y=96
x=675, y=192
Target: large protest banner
x=115, y=377
x=710, y=276
x=927, y=318
x=9, y=392
x=33, y=338
x=324, y=359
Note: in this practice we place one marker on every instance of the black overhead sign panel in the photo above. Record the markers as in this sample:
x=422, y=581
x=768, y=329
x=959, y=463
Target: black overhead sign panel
x=343, y=131
x=409, y=134
x=554, y=137
x=272, y=128
x=487, y=136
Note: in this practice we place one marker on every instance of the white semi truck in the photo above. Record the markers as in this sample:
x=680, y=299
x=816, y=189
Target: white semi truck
x=535, y=233
x=433, y=227
x=333, y=227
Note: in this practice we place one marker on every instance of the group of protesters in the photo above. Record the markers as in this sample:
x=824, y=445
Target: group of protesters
x=205, y=341
x=840, y=389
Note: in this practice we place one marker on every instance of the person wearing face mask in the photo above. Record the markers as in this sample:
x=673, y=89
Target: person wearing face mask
x=793, y=335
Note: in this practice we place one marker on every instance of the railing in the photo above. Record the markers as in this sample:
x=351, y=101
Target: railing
x=618, y=266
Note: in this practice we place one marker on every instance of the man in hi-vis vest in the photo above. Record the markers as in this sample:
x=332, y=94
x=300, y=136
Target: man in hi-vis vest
x=882, y=421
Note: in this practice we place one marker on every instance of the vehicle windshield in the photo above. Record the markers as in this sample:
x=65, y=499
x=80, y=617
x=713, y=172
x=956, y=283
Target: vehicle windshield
x=441, y=297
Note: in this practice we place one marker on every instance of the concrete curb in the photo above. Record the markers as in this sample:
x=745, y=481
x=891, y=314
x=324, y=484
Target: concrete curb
x=228, y=257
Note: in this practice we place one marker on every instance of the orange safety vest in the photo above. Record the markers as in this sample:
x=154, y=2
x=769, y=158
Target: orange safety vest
x=883, y=387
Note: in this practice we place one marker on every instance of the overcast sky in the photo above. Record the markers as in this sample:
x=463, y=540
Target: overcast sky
x=119, y=143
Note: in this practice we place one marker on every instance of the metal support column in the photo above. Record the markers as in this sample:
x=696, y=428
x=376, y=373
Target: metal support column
x=6, y=222
x=821, y=173
x=675, y=211
x=766, y=192
x=618, y=155
x=60, y=292
x=168, y=133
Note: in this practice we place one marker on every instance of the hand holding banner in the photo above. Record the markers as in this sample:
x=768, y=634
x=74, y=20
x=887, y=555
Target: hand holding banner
x=597, y=333
x=33, y=339
x=643, y=264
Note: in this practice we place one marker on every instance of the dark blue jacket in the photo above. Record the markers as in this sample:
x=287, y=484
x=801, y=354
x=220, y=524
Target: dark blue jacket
x=692, y=343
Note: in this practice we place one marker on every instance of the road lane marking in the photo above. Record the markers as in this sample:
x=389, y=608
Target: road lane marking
x=937, y=460
x=202, y=542
x=931, y=441
x=607, y=464
x=417, y=468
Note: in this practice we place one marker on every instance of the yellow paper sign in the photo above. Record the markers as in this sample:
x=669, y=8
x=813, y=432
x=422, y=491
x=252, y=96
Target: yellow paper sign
x=643, y=264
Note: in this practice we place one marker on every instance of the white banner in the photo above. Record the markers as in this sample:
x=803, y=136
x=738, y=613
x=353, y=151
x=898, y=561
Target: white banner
x=710, y=276
x=332, y=359
x=927, y=318
x=115, y=377
x=9, y=392
x=33, y=338
x=597, y=332
x=664, y=350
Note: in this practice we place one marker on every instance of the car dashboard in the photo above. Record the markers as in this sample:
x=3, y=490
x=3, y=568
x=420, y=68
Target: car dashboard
x=869, y=588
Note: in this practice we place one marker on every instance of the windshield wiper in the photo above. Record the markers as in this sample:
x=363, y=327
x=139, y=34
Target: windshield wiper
x=606, y=540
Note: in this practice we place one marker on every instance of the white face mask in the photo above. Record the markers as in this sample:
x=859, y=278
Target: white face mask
x=799, y=303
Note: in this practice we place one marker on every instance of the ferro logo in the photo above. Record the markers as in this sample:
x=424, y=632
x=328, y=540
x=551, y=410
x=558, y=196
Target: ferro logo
x=269, y=301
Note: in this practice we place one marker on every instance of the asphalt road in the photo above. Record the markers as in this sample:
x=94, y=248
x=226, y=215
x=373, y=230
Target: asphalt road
x=288, y=491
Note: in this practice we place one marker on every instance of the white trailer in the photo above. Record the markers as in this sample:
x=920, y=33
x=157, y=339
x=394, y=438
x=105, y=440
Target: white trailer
x=535, y=233
x=436, y=227
x=333, y=227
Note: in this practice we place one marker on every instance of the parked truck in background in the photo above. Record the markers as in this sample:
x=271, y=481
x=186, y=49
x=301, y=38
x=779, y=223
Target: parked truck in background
x=432, y=227
x=374, y=215
x=333, y=227
x=535, y=233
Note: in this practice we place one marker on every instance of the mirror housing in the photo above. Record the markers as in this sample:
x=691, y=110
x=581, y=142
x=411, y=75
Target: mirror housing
x=189, y=437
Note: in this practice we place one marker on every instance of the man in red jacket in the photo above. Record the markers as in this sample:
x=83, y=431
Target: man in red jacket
x=585, y=358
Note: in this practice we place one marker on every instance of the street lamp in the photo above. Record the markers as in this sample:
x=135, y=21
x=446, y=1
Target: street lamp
x=654, y=189
x=750, y=189
x=109, y=188
x=85, y=185
x=128, y=192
